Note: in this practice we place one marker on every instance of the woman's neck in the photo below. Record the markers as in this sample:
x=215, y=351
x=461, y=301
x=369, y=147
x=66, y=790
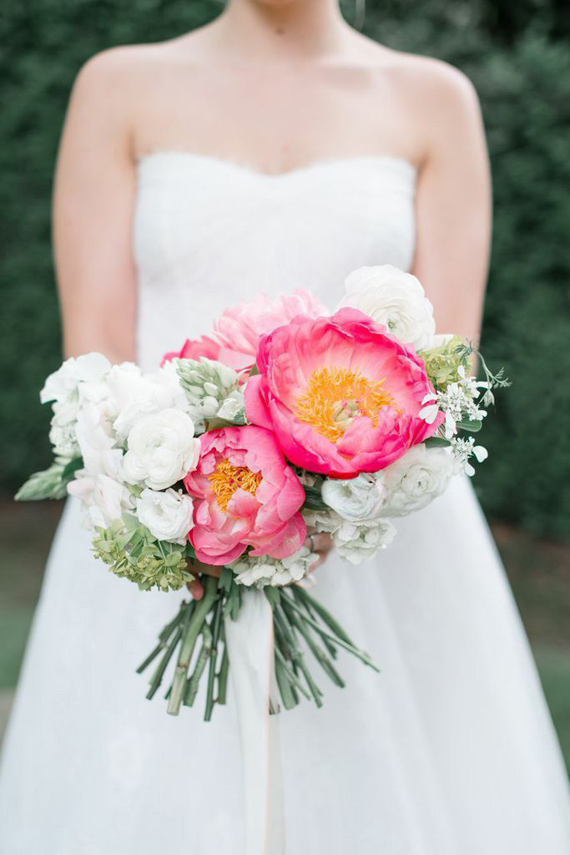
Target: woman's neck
x=294, y=30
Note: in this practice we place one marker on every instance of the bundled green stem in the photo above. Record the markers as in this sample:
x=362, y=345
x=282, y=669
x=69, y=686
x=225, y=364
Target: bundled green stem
x=304, y=631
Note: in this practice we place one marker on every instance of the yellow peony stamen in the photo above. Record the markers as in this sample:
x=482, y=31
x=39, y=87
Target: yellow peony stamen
x=227, y=478
x=336, y=396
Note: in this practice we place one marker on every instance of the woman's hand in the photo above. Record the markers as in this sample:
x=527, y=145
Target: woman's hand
x=198, y=569
x=321, y=544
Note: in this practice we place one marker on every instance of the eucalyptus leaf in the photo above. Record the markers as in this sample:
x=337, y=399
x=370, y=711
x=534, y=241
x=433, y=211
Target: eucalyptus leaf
x=469, y=425
x=436, y=442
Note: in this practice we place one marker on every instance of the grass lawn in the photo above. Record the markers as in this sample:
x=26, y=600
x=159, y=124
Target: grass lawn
x=539, y=573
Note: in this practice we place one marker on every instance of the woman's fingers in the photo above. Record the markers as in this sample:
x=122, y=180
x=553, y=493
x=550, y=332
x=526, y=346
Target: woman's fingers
x=206, y=569
x=198, y=569
x=196, y=589
x=321, y=544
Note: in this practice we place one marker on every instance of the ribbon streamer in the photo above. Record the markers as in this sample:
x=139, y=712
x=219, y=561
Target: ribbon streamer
x=250, y=649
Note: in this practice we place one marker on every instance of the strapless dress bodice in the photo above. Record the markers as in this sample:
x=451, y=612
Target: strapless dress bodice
x=210, y=233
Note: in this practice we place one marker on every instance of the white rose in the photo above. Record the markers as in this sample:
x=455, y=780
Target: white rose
x=392, y=298
x=88, y=369
x=168, y=515
x=355, y=499
x=104, y=500
x=135, y=395
x=161, y=449
x=416, y=479
x=357, y=542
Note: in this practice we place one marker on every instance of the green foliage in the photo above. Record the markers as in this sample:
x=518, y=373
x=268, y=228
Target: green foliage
x=48, y=484
x=517, y=56
x=131, y=552
x=443, y=363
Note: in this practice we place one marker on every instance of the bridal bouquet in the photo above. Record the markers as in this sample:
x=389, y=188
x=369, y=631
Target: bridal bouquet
x=287, y=420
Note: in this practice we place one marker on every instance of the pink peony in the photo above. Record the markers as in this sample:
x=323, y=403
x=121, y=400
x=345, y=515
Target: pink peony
x=194, y=349
x=246, y=495
x=341, y=394
x=238, y=330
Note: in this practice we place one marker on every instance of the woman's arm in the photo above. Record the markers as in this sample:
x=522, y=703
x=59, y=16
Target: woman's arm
x=93, y=208
x=453, y=203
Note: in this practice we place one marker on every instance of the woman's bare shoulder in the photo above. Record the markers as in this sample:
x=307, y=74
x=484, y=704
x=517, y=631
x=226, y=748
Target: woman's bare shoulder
x=136, y=64
x=417, y=77
x=430, y=96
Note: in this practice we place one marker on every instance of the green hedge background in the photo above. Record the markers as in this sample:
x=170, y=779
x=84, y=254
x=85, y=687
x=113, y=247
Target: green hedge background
x=519, y=59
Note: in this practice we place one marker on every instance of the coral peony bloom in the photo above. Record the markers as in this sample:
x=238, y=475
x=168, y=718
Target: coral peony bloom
x=194, y=349
x=238, y=329
x=342, y=394
x=245, y=495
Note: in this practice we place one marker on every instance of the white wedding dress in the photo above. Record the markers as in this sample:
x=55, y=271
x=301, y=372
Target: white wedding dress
x=449, y=751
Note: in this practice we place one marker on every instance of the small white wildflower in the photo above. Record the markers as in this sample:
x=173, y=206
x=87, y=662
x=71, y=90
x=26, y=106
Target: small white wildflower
x=458, y=402
x=263, y=570
x=463, y=449
x=356, y=542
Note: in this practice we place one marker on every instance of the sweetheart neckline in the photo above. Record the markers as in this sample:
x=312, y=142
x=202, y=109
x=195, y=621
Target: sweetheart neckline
x=314, y=166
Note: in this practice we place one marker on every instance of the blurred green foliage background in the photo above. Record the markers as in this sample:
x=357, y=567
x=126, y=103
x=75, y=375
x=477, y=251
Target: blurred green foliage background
x=517, y=55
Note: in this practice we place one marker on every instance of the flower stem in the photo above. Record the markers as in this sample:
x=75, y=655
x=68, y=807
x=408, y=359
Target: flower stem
x=184, y=657
x=163, y=639
x=364, y=657
x=297, y=654
x=291, y=676
x=285, y=688
x=216, y=626
x=309, y=602
x=321, y=657
x=193, y=683
x=156, y=678
x=224, y=671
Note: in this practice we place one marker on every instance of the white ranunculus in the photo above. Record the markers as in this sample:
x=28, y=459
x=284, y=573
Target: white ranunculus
x=357, y=498
x=96, y=441
x=357, y=542
x=416, y=479
x=392, y=298
x=162, y=449
x=89, y=369
x=104, y=500
x=134, y=395
x=167, y=515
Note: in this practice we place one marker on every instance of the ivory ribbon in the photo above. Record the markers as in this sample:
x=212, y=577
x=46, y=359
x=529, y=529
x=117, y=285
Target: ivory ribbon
x=250, y=649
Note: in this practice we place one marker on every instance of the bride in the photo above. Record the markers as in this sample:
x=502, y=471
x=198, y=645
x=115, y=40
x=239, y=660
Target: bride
x=272, y=149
